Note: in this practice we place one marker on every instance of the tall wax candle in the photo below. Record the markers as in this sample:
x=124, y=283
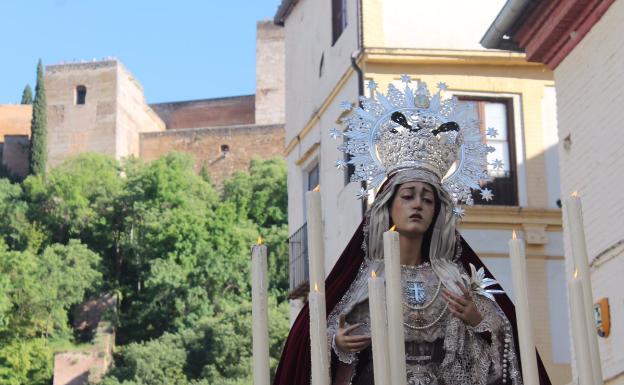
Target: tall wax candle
x=259, y=314
x=394, y=298
x=318, y=337
x=315, y=240
x=574, y=213
x=525, y=331
x=584, y=370
x=379, y=329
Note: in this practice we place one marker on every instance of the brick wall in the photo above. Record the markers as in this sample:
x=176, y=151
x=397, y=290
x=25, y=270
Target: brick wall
x=207, y=113
x=590, y=96
x=244, y=142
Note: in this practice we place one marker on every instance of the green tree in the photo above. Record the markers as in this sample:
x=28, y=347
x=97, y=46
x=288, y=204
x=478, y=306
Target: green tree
x=38, y=155
x=26, y=362
x=27, y=95
x=42, y=288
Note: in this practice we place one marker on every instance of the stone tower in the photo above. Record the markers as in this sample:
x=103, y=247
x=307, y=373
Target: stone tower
x=96, y=106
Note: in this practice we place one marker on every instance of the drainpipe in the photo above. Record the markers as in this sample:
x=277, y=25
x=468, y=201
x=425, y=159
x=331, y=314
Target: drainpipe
x=354, y=58
x=506, y=18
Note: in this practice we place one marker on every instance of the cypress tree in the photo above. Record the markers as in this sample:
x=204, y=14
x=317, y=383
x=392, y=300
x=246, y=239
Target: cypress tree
x=27, y=95
x=39, y=127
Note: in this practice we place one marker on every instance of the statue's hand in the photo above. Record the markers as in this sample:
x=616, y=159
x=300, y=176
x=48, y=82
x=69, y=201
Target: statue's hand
x=348, y=343
x=463, y=307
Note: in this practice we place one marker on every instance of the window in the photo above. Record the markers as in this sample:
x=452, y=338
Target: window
x=81, y=94
x=497, y=114
x=339, y=18
x=313, y=177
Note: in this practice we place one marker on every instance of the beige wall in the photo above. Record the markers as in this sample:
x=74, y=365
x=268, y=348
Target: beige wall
x=133, y=114
x=440, y=24
x=15, y=120
x=245, y=142
x=72, y=128
x=110, y=120
x=308, y=33
x=590, y=96
x=270, y=74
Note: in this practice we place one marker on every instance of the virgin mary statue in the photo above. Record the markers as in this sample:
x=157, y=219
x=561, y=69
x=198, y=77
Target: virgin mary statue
x=421, y=155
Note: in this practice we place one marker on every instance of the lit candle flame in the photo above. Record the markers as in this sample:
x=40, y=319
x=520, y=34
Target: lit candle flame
x=513, y=234
x=317, y=188
x=575, y=194
x=373, y=274
x=576, y=273
x=393, y=228
x=260, y=241
x=316, y=289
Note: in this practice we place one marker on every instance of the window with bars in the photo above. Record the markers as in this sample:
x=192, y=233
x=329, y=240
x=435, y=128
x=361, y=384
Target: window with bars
x=339, y=18
x=496, y=117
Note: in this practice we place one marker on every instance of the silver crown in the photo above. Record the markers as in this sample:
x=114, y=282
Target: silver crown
x=409, y=128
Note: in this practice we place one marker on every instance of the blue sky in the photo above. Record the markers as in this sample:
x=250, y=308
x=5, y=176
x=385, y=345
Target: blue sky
x=178, y=50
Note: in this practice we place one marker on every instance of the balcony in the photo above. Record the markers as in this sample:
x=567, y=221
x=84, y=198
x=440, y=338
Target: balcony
x=298, y=262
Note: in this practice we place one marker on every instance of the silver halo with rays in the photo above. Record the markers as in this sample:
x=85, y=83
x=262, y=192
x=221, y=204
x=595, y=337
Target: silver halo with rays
x=413, y=129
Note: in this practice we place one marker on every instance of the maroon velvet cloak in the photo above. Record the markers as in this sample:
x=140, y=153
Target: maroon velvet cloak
x=294, y=365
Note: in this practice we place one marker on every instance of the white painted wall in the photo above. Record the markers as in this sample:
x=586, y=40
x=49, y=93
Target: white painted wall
x=440, y=24
x=308, y=31
x=551, y=140
x=590, y=100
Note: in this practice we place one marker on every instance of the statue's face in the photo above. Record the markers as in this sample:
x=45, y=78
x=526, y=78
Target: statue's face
x=413, y=208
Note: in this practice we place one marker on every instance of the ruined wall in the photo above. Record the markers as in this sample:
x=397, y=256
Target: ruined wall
x=244, y=142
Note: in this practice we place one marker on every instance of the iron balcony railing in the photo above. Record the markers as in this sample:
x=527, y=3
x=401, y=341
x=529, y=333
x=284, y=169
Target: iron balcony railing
x=298, y=258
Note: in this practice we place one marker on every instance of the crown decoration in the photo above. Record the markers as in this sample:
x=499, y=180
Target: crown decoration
x=411, y=128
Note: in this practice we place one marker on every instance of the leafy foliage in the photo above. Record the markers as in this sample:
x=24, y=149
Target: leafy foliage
x=170, y=245
x=39, y=127
x=27, y=95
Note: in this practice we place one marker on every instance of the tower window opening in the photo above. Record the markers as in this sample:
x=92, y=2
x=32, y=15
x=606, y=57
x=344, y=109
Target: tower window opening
x=81, y=94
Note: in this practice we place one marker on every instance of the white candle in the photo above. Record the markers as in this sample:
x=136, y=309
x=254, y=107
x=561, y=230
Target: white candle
x=259, y=314
x=525, y=333
x=394, y=298
x=318, y=337
x=379, y=329
x=315, y=240
x=576, y=233
x=584, y=370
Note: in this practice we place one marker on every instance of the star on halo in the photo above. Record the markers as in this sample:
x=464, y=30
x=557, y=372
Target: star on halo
x=362, y=194
x=498, y=164
x=335, y=133
x=492, y=132
x=341, y=164
x=405, y=78
x=459, y=212
x=486, y=194
x=442, y=86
